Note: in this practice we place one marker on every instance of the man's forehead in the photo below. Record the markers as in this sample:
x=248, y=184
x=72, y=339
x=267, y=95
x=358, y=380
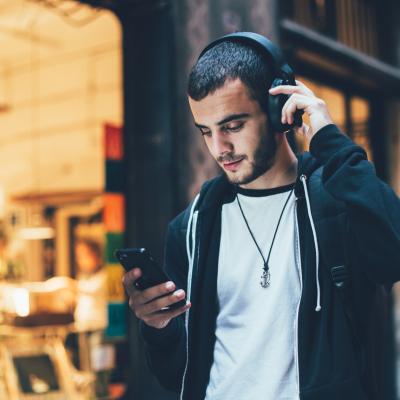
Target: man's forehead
x=230, y=90
x=233, y=97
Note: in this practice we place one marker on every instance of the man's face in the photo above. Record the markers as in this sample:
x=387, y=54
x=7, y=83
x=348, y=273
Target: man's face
x=235, y=131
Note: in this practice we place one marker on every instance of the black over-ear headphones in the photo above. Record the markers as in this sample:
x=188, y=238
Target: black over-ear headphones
x=283, y=75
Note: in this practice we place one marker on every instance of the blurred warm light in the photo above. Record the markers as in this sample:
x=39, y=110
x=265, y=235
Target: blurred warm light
x=4, y=108
x=55, y=283
x=2, y=202
x=360, y=110
x=36, y=233
x=21, y=301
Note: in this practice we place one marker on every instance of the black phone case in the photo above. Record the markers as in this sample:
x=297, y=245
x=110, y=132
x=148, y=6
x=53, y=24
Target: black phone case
x=152, y=274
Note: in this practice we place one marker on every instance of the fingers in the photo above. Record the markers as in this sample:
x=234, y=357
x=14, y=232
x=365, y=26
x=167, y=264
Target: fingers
x=144, y=310
x=139, y=297
x=302, y=98
x=152, y=293
x=148, y=304
x=295, y=102
x=162, y=318
x=285, y=89
x=288, y=111
x=290, y=89
x=129, y=279
x=148, y=301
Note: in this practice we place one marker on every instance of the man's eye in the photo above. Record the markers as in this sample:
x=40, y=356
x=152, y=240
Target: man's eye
x=205, y=132
x=233, y=128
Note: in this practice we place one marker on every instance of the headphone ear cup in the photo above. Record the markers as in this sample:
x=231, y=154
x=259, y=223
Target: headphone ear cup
x=275, y=105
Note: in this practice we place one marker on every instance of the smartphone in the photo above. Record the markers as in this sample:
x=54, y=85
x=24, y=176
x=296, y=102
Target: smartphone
x=152, y=273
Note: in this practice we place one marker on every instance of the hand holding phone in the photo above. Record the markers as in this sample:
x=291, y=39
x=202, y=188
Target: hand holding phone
x=152, y=295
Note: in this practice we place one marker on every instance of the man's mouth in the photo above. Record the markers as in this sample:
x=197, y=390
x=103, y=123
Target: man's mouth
x=232, y=165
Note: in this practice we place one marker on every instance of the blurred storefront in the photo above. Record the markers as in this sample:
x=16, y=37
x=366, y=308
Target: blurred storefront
x=62, y=314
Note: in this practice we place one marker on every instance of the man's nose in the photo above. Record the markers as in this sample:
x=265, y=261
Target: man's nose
x=221, y=144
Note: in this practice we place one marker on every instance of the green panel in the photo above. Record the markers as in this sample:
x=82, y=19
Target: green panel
x=117, y=320
x=113, y=241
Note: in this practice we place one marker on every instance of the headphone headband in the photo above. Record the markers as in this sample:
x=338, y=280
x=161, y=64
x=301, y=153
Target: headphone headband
x=259, y=42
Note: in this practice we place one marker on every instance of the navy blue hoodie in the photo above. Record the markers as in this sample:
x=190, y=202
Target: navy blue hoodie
x=330, y=358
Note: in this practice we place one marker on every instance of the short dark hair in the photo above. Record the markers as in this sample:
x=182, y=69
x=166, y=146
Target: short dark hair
x=230, y=60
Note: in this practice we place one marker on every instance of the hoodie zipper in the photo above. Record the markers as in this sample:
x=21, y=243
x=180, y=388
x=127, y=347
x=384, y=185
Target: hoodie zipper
x=296, y=322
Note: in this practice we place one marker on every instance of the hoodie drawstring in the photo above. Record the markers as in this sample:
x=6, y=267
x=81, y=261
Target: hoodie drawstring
x=191, y=230
x=303, y=178
x=190, y=250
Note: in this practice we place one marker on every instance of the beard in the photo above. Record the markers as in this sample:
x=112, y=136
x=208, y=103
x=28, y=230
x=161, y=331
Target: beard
x=263, y=160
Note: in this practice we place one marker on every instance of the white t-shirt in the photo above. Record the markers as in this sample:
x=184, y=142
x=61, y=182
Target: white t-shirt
x=254, y=354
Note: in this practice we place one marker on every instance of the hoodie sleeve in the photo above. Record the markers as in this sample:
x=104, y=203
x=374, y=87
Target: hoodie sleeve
x=373, y=207
x=166, y=348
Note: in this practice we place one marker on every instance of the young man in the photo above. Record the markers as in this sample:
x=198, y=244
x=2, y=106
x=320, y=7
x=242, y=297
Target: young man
x=265, y=320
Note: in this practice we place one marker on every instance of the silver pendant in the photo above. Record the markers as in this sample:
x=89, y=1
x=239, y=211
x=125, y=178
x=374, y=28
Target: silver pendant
x=265, y=278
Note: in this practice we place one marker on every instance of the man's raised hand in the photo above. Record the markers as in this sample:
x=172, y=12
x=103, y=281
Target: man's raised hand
x=303, y=98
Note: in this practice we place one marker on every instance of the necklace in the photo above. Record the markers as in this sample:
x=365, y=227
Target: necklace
x=266, y=275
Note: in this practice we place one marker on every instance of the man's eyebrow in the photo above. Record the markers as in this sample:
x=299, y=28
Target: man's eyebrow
x=232, y=117
x=226, y=119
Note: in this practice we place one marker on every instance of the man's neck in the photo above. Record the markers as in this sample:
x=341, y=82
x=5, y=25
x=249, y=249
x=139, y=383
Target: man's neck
x=283, y=172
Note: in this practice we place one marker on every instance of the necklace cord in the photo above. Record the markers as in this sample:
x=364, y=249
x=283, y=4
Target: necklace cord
x=276, y=229
x=248, y=227
x=277, y=226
